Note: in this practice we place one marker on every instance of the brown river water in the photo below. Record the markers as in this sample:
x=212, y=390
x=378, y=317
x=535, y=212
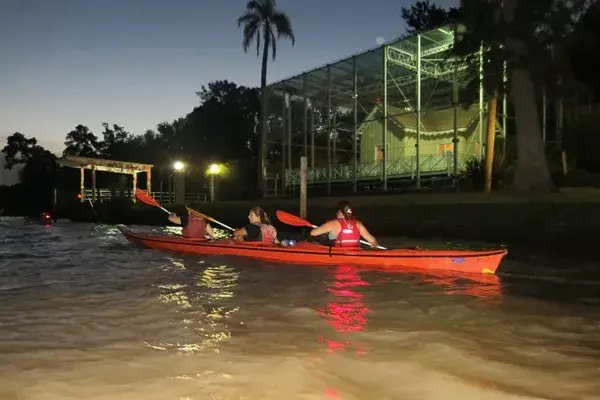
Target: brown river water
x=84, y=315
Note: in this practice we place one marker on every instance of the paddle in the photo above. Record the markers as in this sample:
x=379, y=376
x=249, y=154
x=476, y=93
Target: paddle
x=147, y=199
x=294, y=220
x=199, y=214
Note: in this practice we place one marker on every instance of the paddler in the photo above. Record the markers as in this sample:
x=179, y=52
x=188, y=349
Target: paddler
x=345, y=230
x=193, y=226
x=259, y=229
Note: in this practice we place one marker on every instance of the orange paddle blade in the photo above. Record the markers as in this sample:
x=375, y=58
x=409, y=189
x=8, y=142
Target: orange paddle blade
x=291, y=219
x=146, y=198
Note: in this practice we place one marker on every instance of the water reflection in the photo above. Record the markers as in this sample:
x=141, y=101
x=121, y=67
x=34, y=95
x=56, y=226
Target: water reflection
x=482, y=286
x=203, y=308
x=346, y=312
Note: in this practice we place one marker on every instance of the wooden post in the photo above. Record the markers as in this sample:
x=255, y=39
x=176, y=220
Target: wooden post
x=93, y=183
x=134, y=186
x=490, y=144
x=54, y=202
x=303, y=179
x=149, y=180
x=179, y=187
x=82, y=183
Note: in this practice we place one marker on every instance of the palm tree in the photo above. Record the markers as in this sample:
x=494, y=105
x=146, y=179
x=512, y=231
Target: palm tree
x=264, y=24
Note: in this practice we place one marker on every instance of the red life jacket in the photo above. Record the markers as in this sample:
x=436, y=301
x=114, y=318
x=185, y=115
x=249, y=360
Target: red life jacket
x=268, y=233
x=195, y=227
x=349, y=236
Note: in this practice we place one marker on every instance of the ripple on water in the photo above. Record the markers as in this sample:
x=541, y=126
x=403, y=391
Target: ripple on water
x=85, y=315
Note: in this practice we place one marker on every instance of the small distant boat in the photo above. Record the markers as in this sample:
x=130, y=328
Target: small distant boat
x=44, y=218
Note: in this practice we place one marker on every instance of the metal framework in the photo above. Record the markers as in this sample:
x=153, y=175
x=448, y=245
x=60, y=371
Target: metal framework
x=379, y=116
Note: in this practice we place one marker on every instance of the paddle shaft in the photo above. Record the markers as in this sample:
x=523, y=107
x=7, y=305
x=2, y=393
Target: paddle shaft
x=199, y=214
x=222, y=224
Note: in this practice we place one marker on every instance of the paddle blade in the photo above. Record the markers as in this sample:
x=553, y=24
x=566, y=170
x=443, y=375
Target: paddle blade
x=146, y=198
x=291, y=219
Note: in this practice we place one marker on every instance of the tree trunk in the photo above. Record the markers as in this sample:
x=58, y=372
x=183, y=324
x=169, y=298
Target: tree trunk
x=490, y=143
x=262, y=137
x=531, y=174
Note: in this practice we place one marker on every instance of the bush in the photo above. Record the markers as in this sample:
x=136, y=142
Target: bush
x=473, y=174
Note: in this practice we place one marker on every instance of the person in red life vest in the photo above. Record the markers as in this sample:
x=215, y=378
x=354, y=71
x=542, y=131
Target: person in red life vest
x=345, y=230
x=193, y=227
x=258, y=230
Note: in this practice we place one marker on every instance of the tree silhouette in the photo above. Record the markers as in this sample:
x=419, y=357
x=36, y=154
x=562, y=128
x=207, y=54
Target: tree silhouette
x=82, y=142
x=37, y=177
x=18, y=150
x=423, y=16
x=264, y=24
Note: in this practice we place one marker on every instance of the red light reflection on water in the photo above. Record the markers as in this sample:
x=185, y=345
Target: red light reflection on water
x=332, y=393
x=346, y=313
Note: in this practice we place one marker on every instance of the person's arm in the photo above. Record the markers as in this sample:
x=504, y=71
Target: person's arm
x=365, y=234
x=209, y=231
x=321, y=230
x=240, y=234
x=175, y=219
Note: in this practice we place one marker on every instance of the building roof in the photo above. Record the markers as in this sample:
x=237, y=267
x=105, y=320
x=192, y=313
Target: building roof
x=402, y=65
x=99, y=164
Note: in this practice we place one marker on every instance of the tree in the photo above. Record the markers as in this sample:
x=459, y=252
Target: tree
x=226, y=119
x=115, y=142
x=37, y=177
x=82, y=142
x=584, y=41
x=264, y=23
x=521, y=34
x=18, y=150
x=525, y=36
x=423, y=16
x=40, y=169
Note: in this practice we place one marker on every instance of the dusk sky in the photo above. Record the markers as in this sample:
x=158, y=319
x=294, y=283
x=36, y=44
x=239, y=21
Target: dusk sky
x=139, y=62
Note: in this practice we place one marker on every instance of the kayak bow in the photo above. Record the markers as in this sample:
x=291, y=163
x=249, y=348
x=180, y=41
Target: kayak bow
x=466, y=261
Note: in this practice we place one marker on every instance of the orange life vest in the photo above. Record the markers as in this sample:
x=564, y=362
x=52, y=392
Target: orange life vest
x=349, y=236
x=195, y=227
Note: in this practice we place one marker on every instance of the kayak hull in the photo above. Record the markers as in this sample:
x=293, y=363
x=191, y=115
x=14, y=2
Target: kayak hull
x=465, y=261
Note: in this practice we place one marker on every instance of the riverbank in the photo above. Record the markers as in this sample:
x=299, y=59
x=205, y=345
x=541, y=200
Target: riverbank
x=568, y=221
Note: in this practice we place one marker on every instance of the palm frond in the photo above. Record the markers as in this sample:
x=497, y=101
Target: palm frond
x=283, y=25
x=250, y=34
x=246, y=18
x=273, y=43
x=257, y=43
x=256, y=7
x=269, y=7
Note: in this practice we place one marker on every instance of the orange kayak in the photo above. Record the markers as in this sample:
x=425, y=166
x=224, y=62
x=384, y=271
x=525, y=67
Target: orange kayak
x=466, y=261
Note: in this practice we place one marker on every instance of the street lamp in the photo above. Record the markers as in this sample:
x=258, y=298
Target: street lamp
x=178, y=166
x=213, y=170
